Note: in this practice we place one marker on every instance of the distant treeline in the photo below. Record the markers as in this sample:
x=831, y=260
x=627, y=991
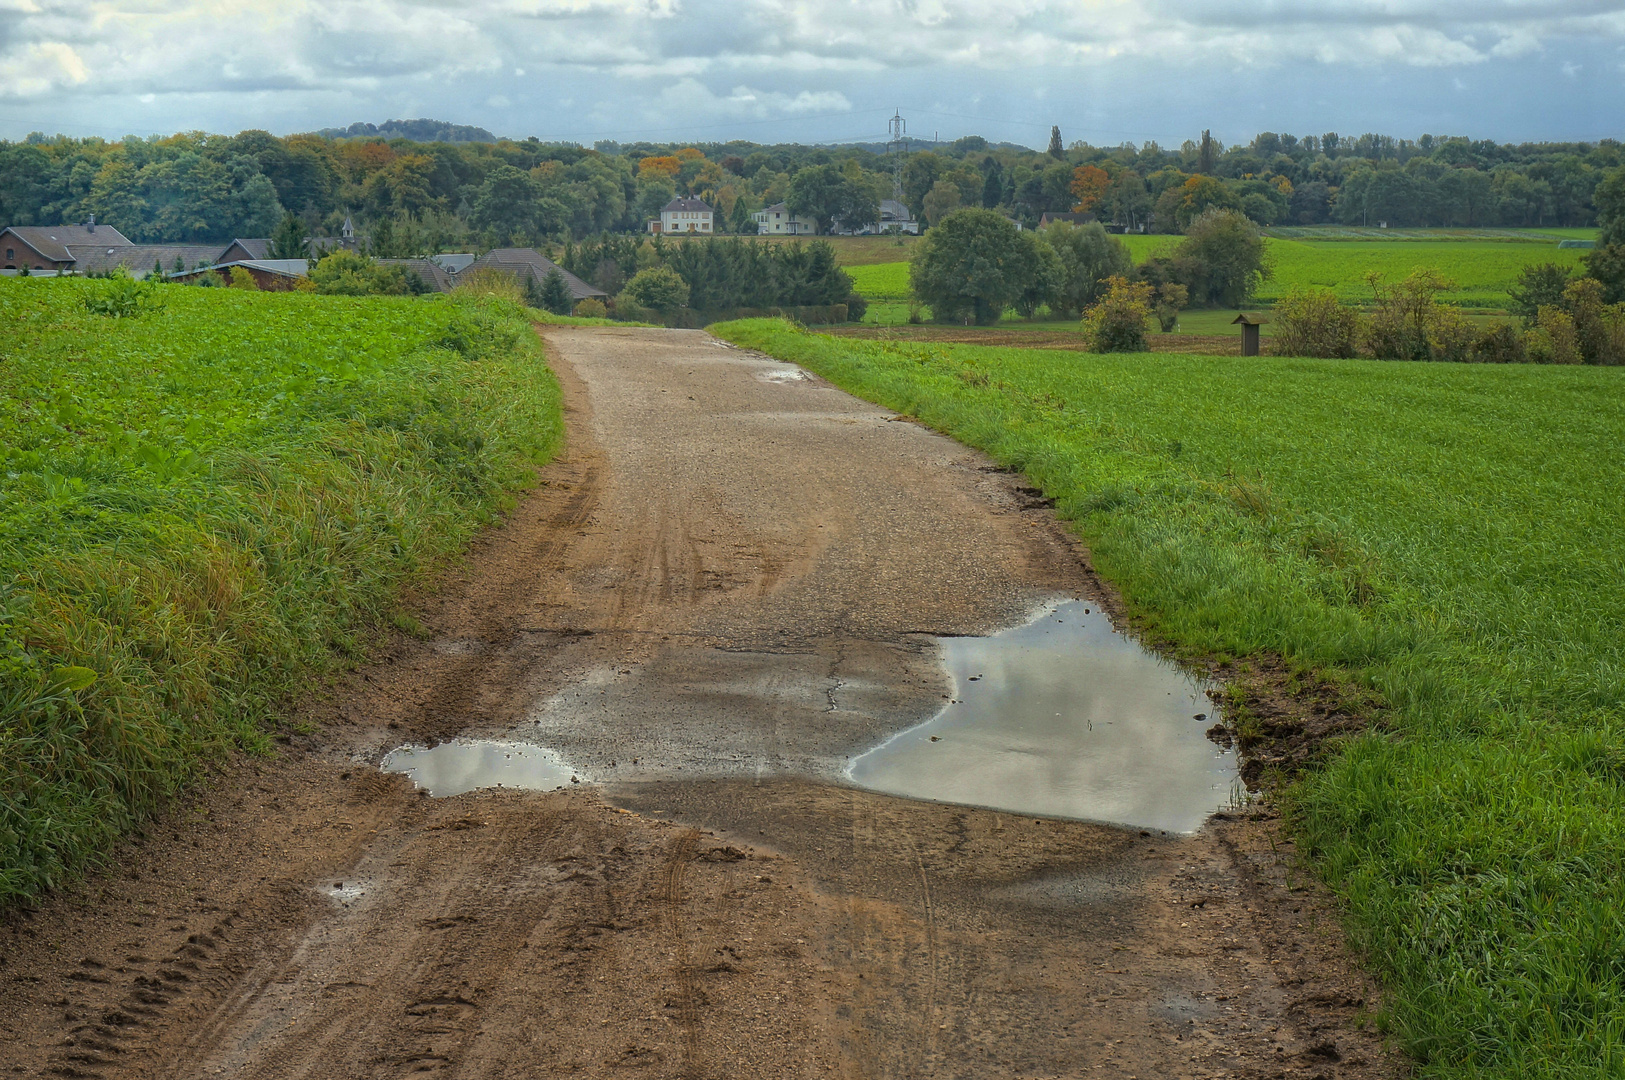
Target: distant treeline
x=195, y=187
x=424, y=131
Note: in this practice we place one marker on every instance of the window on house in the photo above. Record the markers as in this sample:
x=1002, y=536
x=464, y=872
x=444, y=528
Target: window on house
x=10, y=254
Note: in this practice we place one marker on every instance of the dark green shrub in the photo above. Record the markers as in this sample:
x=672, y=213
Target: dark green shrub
x=1500, y=344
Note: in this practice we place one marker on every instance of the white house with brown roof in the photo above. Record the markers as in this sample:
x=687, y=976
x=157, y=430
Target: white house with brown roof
x=684, y=216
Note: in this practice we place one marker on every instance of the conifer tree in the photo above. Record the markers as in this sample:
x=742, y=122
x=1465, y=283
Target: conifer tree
x=556, y=293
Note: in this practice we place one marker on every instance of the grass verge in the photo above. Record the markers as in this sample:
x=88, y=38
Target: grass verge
x=1444, y=539
x=205, y=505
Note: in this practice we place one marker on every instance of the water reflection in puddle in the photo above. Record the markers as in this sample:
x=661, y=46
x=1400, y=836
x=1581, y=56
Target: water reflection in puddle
x=464, y=765
x=1063, y=717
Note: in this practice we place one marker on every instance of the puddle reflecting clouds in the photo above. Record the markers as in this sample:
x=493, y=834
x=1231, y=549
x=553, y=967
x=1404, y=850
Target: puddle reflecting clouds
x=464, y=765
x=1063, y=717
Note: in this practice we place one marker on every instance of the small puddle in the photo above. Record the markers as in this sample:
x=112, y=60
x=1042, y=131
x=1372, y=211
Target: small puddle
x=782, y=375
x=1063, y=717
x=464, y=765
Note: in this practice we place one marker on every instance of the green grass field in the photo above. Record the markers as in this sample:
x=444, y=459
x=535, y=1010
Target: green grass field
x=1446, y=537
x=880, y=281
x=199, y=504
x=1484, y=264
x=1482, y=270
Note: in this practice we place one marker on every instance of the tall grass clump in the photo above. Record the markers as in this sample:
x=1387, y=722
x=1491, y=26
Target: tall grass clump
x=1443, y=539
x=201, y=503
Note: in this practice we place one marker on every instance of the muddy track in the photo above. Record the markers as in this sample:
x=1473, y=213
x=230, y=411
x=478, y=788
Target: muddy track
x=724, y=588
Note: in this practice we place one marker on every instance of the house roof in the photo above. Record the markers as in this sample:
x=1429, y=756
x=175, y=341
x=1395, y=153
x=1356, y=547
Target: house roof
x=138, y=258
x=283, y=267
x=435, y=276
x=686, y=205
x=258, y=247
x=892, y=210
x=522, y=261
x=53, y=241
x=454, y=262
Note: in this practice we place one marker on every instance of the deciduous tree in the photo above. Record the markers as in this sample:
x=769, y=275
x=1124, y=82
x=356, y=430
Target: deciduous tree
x=1088, y=255
x=1224, y=252
x=973, y=265
x=1089, y=184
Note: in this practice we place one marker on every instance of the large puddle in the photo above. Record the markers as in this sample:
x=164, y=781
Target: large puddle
x=1063, y=717
x=464, y=765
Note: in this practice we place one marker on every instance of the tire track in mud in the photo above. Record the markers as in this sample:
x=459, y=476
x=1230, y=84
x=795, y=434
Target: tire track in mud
x=688, y=1006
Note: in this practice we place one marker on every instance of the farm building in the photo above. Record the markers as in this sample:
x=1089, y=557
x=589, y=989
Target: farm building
x=257, y=248
x=271, y=275
x=528, y=264
x=684, y=216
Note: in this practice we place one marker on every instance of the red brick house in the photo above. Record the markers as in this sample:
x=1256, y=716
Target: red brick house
x=50, y=247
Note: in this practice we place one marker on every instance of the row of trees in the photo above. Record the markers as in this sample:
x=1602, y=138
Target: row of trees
x=976, y=264
x=712, y=276
x=201, y=187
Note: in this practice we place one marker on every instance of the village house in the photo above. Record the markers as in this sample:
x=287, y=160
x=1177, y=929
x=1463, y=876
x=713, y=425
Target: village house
x=50, y=247
x=776, y=220
x=684, y=216
x=91, y=249
x=895, y=218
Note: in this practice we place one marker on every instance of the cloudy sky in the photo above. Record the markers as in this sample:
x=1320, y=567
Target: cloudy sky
x=1106, y=71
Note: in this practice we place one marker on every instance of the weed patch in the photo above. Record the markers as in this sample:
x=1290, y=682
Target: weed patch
x=199, y=505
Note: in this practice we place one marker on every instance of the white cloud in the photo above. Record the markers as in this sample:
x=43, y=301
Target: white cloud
x=711, y=61
x=690, y=96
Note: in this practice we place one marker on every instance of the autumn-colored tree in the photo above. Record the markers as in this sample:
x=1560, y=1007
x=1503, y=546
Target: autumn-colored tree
x=1089, y=184
x=362, y=159
x=1199, y=194
x=668, y=167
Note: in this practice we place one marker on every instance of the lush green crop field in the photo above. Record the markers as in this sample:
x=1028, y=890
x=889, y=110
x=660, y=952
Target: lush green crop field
x=880, y=281
x=1447, y=536
x=198, y=504
x=1483, y=270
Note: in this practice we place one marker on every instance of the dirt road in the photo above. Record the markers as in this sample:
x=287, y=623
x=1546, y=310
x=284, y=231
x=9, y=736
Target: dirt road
x=727, y=586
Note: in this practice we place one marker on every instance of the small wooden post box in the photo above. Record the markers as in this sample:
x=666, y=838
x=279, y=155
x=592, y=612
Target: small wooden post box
x=1250, y=322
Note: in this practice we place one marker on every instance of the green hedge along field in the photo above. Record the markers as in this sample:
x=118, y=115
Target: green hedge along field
x=200, y=503
x=1446, y=536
